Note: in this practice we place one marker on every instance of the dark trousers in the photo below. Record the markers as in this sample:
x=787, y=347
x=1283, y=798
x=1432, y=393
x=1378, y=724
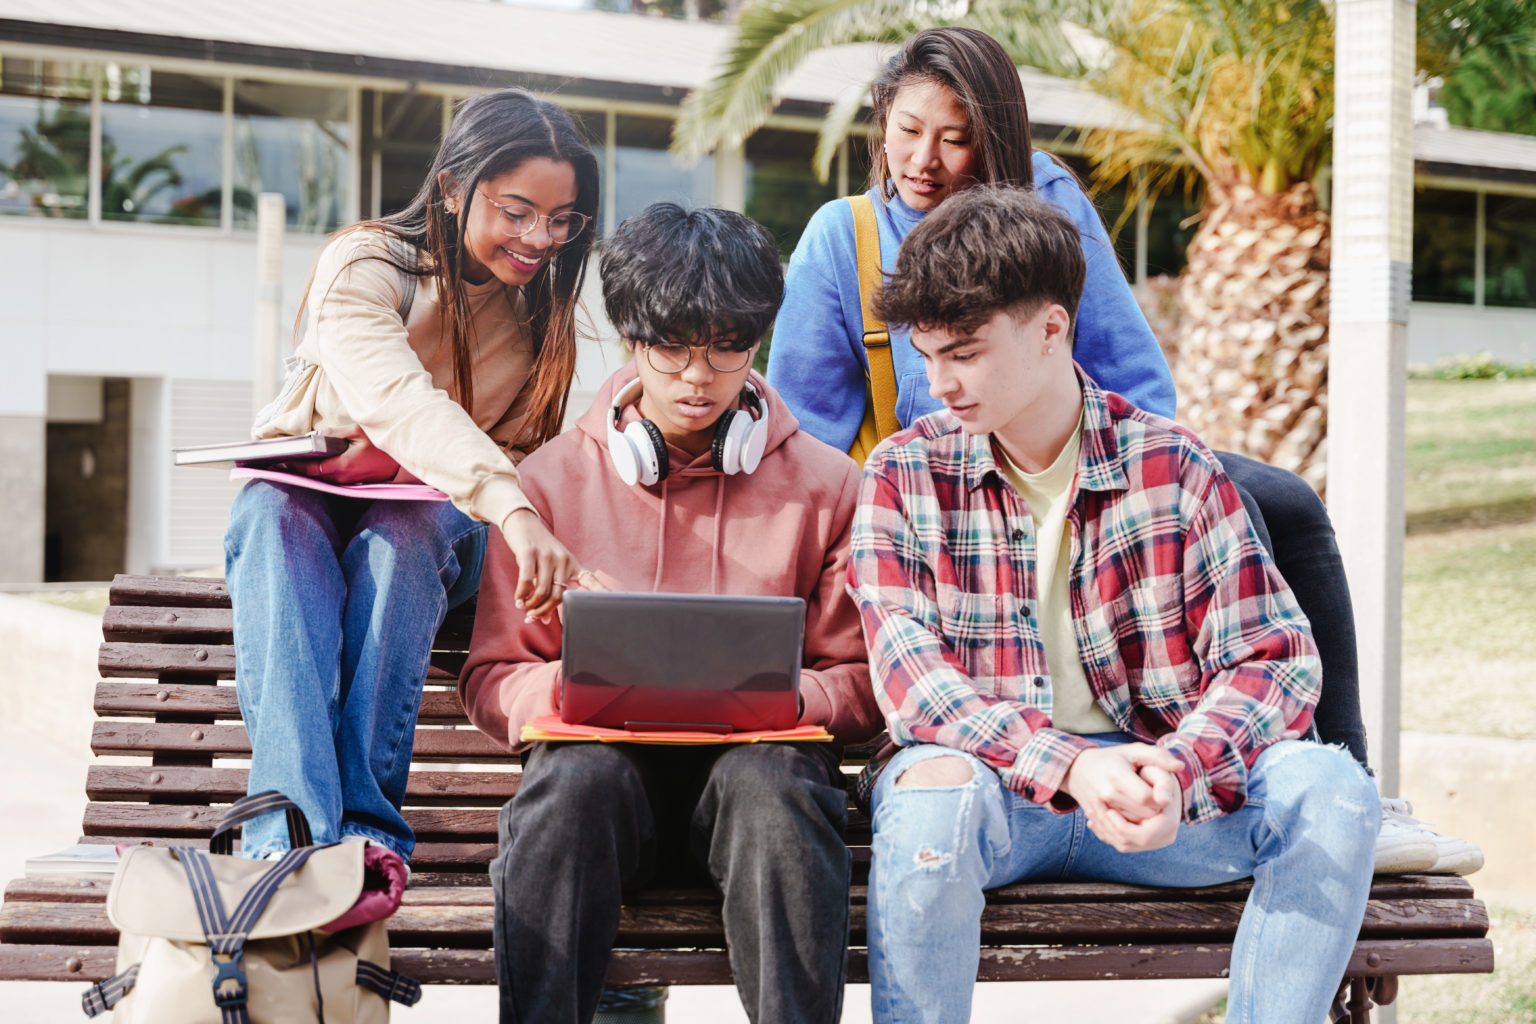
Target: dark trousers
x=1293, y=523
x=593, y=821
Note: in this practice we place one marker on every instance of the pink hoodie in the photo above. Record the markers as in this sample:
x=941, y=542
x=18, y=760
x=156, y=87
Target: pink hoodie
x=782, y=530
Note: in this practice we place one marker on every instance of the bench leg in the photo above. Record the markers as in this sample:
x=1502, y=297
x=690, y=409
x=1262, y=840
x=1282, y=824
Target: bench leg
x=1358, y=996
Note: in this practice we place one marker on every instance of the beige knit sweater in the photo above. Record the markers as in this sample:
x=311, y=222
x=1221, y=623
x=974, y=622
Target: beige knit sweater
x=370, y=374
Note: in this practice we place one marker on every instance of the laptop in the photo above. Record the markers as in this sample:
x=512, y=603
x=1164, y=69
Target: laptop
x=697, y=662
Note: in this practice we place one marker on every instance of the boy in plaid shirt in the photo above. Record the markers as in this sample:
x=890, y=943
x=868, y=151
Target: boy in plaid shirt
x=1087, y=662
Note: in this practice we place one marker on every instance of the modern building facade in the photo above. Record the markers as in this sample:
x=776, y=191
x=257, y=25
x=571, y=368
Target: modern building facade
x=136, y=136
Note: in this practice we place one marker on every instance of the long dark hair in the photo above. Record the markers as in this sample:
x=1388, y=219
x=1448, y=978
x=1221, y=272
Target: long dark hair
x=492, y=134
x=976, y=68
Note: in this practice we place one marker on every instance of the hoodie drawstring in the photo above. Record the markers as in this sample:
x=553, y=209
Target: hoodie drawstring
x=714, y=555
x=661, y=537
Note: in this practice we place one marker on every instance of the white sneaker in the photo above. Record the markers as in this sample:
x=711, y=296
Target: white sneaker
x=1402, y=832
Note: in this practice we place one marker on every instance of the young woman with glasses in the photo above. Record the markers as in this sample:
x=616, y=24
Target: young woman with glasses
x=440, y=341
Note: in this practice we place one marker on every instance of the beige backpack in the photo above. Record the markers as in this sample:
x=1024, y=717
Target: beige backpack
x=209, y=937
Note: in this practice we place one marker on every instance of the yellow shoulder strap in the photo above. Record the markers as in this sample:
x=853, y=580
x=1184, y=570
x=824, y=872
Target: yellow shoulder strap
x=880, y=402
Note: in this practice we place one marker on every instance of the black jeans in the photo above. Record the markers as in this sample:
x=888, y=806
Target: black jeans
x=1293, y=523
x=592, y=821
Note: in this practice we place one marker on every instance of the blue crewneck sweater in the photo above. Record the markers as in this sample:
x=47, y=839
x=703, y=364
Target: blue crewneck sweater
x=817, y=362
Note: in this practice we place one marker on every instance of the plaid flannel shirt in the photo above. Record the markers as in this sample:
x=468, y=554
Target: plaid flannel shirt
x=1189, y=637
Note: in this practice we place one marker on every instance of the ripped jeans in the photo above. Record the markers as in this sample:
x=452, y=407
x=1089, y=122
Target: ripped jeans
x=1306, y=837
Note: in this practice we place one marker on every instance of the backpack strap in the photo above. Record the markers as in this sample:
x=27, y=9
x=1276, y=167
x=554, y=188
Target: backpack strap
x=387, y=983
x=880, y=404
x=255, y=805
x=104, y=995
x=225, y=932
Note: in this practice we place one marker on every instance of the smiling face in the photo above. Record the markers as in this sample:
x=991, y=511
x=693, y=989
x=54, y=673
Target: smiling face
x=548, y=186
x=685, y=406
x=928, y=144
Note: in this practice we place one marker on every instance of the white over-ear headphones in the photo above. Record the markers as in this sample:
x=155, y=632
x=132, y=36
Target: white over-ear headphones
x=639, y=452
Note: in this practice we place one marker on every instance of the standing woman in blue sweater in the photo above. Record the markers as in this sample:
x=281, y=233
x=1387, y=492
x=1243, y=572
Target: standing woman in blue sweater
x=949, y=112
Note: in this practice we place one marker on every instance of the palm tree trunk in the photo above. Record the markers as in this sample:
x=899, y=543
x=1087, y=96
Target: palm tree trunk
x=1252, y=367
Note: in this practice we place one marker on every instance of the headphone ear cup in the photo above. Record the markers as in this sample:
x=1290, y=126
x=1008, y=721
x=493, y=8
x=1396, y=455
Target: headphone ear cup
x=725, y=449
x=753, y=444
x=625, y=459
x=650, y=450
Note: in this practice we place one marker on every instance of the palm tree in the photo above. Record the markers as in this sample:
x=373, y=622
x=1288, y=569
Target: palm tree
x=1237, y=94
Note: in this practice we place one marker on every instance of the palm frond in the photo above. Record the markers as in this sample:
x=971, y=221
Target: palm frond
x=772, y=39
x=836, y=125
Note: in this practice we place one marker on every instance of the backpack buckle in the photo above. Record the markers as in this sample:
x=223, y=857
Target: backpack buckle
x=232, y=970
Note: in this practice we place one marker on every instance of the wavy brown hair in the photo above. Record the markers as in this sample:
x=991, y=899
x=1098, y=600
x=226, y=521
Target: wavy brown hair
x=493, y=134
x=976, y=68
x=987, y=249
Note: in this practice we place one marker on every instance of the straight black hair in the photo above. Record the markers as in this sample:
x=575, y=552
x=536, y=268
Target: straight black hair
x=692, y=276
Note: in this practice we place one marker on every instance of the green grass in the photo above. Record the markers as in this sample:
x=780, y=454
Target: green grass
x=1469, y=561
x=1508, y=996
x=93, y=602
x=1471, y=453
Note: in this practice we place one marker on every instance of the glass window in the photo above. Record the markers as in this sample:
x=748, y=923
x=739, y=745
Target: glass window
x=410, y=127
x=292, y=139
x=592, y=126
x=45, y=137
x=1510, y=263
x=644, y=173
x=781, y=187
x=1170, y=228
x=162, y=138
x=1110, y=202
x=1444, y=244
x=858, y=163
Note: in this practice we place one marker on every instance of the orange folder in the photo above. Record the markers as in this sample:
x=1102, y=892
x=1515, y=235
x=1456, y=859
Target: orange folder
x=549, y=728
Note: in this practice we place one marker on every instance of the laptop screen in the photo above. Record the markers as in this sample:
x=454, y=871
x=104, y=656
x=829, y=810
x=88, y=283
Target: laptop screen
x=720, y=663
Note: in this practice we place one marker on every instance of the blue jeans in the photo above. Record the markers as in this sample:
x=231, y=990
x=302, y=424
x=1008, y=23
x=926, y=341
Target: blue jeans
x=1306, y=837
x=336, y=602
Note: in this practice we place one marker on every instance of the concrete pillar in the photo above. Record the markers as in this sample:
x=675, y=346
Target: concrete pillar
x=23, y=479
x=271, y=219
x=731, y=178
x=1372, y=261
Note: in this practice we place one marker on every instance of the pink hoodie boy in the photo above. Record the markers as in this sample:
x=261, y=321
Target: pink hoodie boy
x=782, y=531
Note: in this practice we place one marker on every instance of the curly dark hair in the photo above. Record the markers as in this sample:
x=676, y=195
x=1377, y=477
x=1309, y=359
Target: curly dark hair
x=671, y=274
x=986, y=249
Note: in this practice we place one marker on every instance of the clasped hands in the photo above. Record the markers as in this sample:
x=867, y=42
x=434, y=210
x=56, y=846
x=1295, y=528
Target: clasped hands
x=1129, y=795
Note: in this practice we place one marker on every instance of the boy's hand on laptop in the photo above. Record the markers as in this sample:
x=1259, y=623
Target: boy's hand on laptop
x=1128, y=794
x=543, y=565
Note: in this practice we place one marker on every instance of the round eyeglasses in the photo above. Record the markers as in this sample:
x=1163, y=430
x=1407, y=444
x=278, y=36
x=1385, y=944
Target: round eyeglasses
x=517, y=219
x=673, y=357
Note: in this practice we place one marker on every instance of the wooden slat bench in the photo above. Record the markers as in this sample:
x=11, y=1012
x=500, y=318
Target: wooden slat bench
x=167, y=700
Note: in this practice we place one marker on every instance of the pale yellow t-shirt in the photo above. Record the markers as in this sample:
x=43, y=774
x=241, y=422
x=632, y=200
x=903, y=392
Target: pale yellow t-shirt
x=1049, y=495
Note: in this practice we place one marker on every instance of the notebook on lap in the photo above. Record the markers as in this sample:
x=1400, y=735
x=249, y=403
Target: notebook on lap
x=716, y=663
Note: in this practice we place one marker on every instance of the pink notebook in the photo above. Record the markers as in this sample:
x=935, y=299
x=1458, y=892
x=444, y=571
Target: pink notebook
x=370, y=492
